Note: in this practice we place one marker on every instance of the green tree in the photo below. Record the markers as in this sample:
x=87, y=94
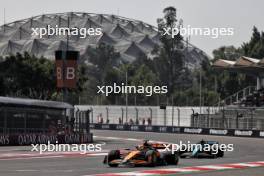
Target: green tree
x=32, y=77
x=27, y=76
x=144, y=76
x=255, y=47
x=169, y=62
x=103, y=57
x=227, y=53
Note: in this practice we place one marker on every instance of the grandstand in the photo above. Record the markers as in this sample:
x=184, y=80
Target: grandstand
x=245, y=108
x=252, y=95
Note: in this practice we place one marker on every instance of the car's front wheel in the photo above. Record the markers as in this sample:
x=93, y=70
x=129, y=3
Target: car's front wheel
x=112, y=155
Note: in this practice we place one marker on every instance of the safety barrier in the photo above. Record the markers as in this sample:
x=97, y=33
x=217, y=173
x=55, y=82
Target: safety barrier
x=186, y=130
x=39, y=138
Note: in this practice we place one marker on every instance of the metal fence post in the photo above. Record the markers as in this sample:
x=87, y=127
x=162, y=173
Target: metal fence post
x=237, y=114
x=192, y=119
x=223, y=118
x=165, y=117
x=150, y=114
x=172, y=115
x=208, y=118
x=107, y=115
x=87, y=121
x=91, y=111
x=122, y=117
x=251, y=119
x=76, y=119
x=82, y=121
x=79, y=121
x=137, y=121
x=179, y=116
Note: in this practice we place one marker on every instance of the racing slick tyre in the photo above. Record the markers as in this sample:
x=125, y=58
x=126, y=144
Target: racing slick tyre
x=220, y=153
x=172, y=158
x=214, y=156
x=112, y=155
x=151, y=158
x=183, y=156
x=175, y=159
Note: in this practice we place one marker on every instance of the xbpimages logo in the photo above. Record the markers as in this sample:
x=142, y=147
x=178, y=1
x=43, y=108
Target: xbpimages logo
x=116, y=89
x=64, y=31
x=198, y=31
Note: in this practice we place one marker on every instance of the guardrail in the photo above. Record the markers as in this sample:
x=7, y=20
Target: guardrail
x=178, y=130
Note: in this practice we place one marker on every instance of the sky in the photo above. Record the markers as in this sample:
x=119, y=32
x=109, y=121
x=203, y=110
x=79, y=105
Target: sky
x=241, y=15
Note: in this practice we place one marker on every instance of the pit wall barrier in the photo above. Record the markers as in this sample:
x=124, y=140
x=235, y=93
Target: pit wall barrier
x=180, y=130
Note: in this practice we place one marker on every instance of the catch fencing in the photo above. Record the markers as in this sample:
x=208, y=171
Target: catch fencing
x=204, y=117
x=144, y=115
x=236, y=118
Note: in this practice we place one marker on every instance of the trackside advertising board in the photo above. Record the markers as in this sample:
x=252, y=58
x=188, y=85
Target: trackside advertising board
x=188, y=130
x=38, y=138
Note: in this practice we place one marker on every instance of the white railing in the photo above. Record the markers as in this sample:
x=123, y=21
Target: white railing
x=238, y=96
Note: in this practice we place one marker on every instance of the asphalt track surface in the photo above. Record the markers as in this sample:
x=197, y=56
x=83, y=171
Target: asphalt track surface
x=245, y=150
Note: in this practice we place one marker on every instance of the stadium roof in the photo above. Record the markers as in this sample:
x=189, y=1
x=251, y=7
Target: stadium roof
x=34, y=103
x=246, y=61
x=223, y=63
x=129, y=37
x=243, y=64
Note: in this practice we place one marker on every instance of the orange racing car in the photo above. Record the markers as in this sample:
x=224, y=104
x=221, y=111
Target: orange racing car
x=147, y=154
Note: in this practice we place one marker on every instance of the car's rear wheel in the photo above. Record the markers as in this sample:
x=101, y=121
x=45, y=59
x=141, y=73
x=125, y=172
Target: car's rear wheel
x=183, y=156
x=213, y=156
x=175, y=159
x=112, y=155
x=220, y=153
x=172, y=158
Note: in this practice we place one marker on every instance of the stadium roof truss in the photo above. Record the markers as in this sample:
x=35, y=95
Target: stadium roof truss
x=129, y=37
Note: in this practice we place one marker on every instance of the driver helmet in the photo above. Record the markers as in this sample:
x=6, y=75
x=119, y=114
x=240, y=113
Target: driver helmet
x=146, y=143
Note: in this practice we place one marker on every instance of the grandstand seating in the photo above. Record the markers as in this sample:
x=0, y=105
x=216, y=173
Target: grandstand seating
x=256, y=99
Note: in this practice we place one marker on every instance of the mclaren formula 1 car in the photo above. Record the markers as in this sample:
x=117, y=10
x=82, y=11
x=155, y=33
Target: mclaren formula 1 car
x=203, y=149
x=148, y=154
